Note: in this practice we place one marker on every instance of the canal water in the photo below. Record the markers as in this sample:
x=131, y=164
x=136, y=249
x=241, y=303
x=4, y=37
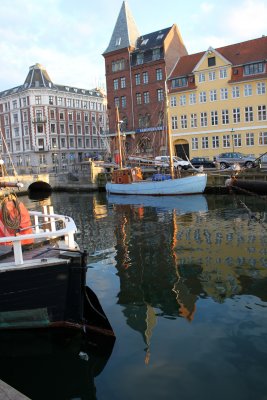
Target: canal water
x=183, y=281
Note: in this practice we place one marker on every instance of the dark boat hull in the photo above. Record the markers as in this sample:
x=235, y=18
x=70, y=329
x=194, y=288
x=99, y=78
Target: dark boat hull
x=51, y=296
x=243, y=186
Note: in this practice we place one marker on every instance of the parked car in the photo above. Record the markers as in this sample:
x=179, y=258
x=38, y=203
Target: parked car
x=199, y=161
x=226, y=160
x=178, y=162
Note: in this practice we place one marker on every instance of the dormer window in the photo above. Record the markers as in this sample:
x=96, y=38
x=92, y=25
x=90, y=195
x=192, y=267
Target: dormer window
x=160, y=36
x=118, y=41
x=144, y=42
x=254, y=69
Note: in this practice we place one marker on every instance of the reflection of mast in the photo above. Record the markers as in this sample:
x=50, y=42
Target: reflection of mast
x=151, y=321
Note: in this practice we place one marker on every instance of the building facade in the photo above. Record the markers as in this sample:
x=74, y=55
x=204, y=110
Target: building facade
x=46, y=127
x=136, y=68
x=218, y=101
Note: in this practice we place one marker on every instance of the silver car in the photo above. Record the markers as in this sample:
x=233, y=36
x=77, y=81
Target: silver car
x=226, y=160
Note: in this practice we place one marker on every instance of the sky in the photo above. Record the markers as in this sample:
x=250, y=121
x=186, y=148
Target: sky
x=69, y=37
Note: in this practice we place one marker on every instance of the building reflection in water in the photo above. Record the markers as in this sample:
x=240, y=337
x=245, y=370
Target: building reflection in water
x=167, y=260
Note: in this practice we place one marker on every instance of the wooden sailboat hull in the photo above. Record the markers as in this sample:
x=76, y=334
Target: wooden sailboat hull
x=194, y=184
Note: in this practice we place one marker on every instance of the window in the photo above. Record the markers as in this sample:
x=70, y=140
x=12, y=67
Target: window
x=215, y=142
x=52, y=114
x=71, y=129
x=146, y=97
x=70, y=116
x=225, y=117
x=261, y=88
x=62, y=128
x=248, y=90
x=53, y=128
x=205, y=142
x=195, y=143
x=214, y=118
x=248, y=114
x=226, y=141
x=15, y=118
x=63, y=142
x=80, y=142
x=77, y=103
x=123, y=82
x=118, y=41
x=182, y=100
x=71, y=142
x=159, y=74
x=117, y=102
x=250, y=139
x=156, y=54
x=179, y=82
x=118, y=65
x=224, y=93
x=183, y=121
x=123, y=101
x=173, y=101
x=211, y=61
x=37, y=99
x=192, y=98
x=137, y=79
x=262, y=113
x=61, y=115
x=213, y=95
x=116, y=84
x=235, y=92
x=51, y=100
x=140, y=58
x=203, y=119
x=15, y=104
x=160, y=95
x=145, y=77
x=86, y=117
x=138, y=98
x=174, y=122
x=223, y=73
x=253, y=69
x=26, y=130
x=79, y=129
x=236, y=115
x=193, y=120
x=263, y=139
x=201, y=77
x=202, y=97
x=16, y=132
x=59, y=101
x=237, y=140
x=24, y=101
x=212, y=76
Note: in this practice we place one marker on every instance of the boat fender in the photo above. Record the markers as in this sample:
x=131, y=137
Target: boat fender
x=14, y=220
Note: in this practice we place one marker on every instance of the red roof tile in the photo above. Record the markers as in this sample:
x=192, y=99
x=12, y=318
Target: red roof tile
x=238, y=54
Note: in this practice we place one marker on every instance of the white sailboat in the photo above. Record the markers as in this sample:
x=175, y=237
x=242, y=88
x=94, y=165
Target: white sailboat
x=129, y=181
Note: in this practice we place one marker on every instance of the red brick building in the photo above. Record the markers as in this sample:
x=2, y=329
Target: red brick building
x=137, y=67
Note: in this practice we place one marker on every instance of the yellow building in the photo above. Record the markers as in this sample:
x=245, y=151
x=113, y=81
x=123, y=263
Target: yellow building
x=218, y=100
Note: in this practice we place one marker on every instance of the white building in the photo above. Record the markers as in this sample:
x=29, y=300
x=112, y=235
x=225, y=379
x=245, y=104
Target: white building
x=48, y=126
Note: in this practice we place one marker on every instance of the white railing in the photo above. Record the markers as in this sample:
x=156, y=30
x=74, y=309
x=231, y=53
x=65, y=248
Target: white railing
x=46, y=226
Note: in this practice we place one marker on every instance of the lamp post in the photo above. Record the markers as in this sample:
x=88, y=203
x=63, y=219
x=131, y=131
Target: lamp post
x=233, y=140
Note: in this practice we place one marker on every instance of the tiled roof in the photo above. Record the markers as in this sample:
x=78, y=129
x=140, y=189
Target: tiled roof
x=125, y=32
x=152, y=40
x=238, y=54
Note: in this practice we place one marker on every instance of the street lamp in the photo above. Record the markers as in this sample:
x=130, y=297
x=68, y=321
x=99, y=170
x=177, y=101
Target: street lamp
x=233, y=139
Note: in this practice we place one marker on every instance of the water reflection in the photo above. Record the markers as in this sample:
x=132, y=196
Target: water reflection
x=167, y=261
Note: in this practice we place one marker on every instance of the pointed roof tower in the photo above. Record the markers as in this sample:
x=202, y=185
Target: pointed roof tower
x=125, y=33
x=37, y=77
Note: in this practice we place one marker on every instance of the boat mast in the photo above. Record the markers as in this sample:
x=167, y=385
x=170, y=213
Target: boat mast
x=167, y=121
x=119, y=135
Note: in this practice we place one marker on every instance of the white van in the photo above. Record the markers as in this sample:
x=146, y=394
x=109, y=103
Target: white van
x=178, y=162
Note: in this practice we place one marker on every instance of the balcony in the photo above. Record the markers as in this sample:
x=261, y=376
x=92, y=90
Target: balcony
x=39, y=120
